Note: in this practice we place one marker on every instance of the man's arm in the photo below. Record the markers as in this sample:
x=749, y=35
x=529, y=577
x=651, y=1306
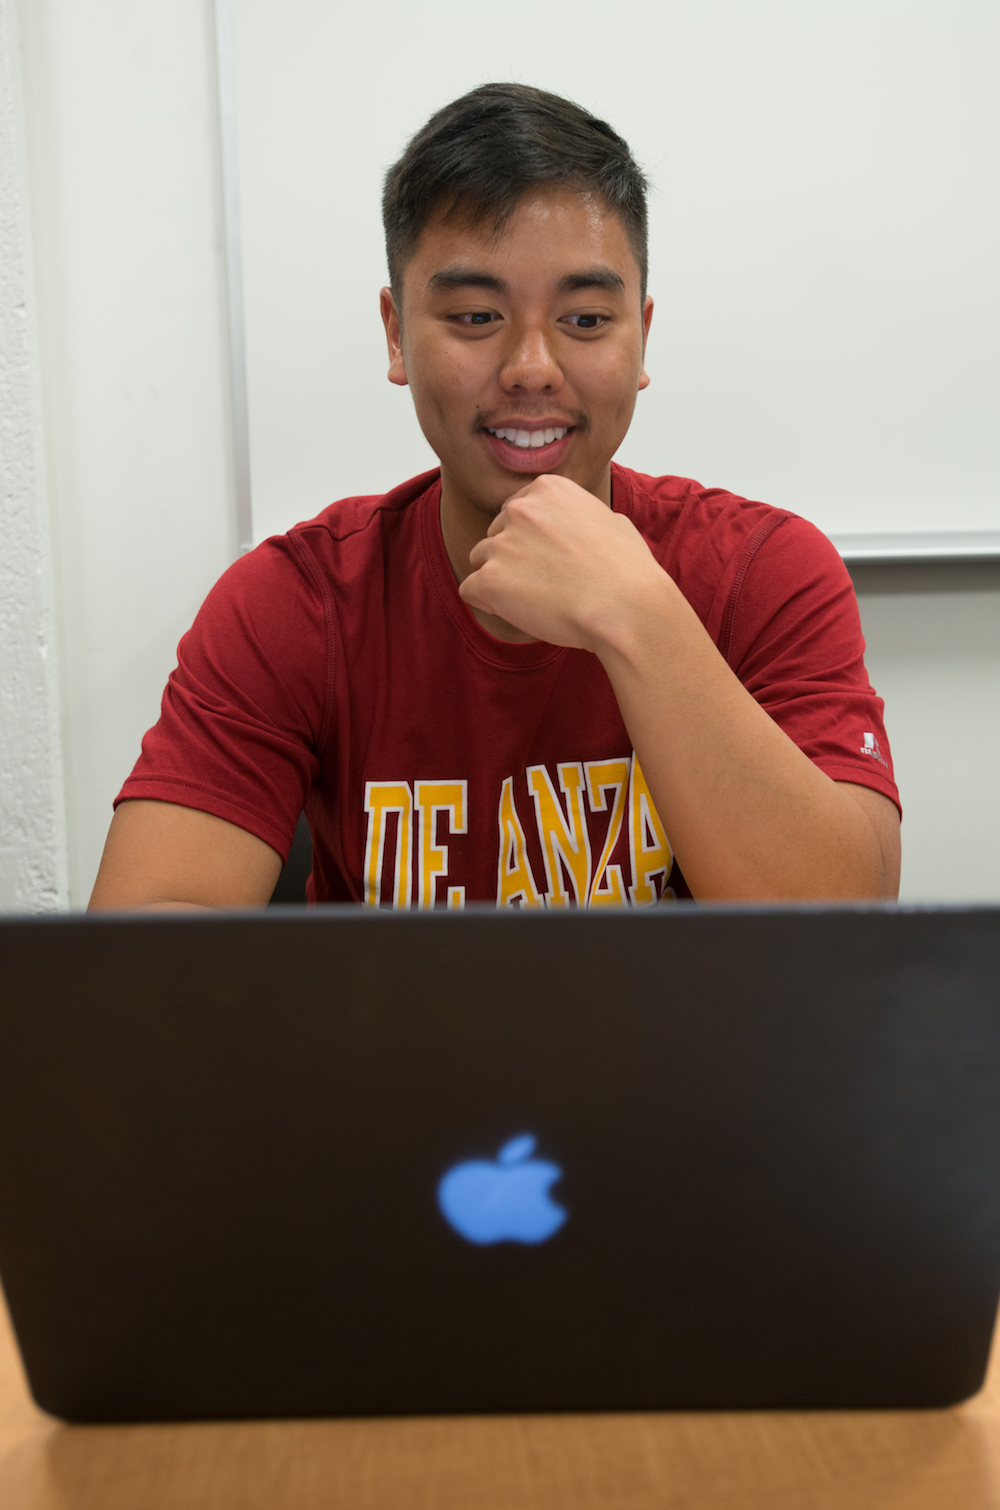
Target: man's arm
x=750, y=817
x=160, y=857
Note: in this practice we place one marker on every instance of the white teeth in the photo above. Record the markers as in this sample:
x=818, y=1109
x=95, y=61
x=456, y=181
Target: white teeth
x=530, y=439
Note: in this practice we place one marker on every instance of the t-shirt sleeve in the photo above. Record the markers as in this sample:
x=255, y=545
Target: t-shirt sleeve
x=796, y=645
x=242, y=713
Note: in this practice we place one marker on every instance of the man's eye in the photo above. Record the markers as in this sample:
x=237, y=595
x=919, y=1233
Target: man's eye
x=478, y=317
x=585, y=322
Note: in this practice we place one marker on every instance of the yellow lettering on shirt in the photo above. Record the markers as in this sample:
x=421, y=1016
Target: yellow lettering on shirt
x=431, y=798
x=381, y=799
x=649, y=847
x=514, y=879
x=603, y=776
x=564, y=837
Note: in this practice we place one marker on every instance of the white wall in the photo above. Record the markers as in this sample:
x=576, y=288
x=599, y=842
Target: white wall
x=32, y=817
x=933, y=638
x=123, y=143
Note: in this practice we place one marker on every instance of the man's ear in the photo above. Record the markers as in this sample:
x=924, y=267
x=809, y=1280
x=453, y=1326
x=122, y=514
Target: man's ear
x=390, y=319
x=647, y=315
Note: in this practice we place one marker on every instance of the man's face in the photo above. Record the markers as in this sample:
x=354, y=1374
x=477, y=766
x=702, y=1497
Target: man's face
x=524, y=351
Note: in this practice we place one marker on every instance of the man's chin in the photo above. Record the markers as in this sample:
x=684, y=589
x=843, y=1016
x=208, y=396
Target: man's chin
x=486, y=498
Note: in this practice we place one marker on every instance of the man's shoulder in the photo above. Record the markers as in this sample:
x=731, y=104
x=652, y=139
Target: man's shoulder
x=708, y=539
x=339, y=547
x=684, y=521
x=354, y=515
x=685, y=515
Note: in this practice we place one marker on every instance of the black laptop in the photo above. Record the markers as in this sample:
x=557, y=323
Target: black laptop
x=342, y=1162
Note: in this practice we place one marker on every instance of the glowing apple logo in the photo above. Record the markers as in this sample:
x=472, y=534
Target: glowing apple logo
x=507, y=1201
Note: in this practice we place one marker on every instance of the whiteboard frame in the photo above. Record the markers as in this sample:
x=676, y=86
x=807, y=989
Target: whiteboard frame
x=923, y=549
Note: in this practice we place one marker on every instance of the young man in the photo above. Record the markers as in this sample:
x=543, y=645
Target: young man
x=534, y=678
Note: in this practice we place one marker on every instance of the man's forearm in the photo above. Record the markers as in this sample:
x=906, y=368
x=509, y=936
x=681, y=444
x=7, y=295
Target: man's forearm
x=749, y=816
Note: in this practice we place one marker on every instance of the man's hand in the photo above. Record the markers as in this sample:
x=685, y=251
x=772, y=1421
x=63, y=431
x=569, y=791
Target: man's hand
x=560, y=566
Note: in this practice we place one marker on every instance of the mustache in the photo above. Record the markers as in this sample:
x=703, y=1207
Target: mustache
x=573, y=418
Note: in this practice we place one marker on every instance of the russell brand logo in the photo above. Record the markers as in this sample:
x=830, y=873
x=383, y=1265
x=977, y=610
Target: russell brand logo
x=870, y=747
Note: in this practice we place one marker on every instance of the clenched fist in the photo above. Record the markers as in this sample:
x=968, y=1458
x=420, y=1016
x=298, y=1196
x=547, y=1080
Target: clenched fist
x=561, y=566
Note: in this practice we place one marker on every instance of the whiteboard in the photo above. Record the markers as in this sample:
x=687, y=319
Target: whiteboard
x=824, y=228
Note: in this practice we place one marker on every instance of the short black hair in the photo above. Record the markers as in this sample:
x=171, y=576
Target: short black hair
x=478, y=156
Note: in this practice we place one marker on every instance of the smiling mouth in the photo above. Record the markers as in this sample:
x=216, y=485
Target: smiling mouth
x=530, y=440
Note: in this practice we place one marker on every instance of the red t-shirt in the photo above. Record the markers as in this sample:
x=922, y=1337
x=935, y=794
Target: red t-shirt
x=336, y=668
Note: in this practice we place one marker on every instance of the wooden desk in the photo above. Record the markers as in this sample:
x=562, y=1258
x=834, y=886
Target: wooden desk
x=892, y=1460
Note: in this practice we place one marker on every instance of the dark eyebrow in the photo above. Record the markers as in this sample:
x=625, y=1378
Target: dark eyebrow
x=467, y=277
x=592, y=277
x=471, y=277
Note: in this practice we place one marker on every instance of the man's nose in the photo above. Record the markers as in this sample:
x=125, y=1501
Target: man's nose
x=529, y=361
